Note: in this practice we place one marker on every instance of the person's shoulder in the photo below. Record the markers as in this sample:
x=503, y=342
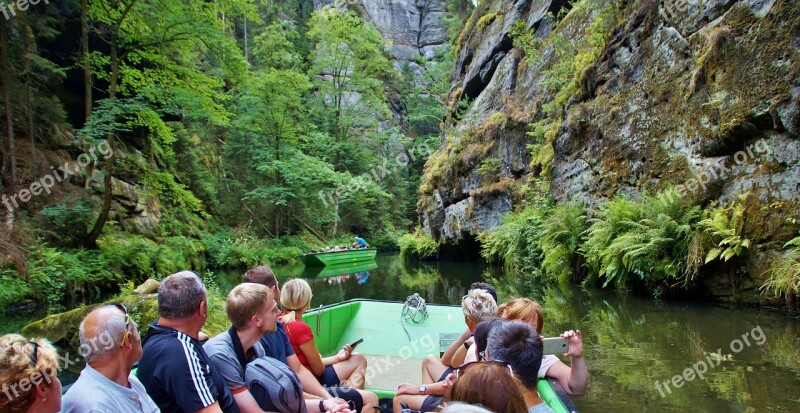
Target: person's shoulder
x=221, y=343
x=540, y=408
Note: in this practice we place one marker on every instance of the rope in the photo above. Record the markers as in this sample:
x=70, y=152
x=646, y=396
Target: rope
x=414, y=310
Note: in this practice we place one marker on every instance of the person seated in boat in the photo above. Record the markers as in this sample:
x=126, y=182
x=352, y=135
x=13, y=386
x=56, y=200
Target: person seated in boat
x=573, y=378
x=277, y=345
x=174, y=368
x=28, y=375
x=253, y=313
x=499, y=392
x=106, y=383
x=360, y=243
x=345, y=368
x=518, y=345
x=433, y=366
x=476, y=305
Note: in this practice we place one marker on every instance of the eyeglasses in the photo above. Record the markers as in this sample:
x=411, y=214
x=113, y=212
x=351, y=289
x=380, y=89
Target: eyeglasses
x=482, y=355
x=463, y=368
x=35, y=358
x=127, y=323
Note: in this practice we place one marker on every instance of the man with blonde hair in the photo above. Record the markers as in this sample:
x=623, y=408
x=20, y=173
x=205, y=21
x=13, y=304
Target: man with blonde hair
x=112, y=345
x=253, y=313
x=476, y=305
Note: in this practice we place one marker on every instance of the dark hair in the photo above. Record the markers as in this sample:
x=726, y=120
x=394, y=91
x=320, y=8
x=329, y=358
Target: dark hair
x=490, y=385
x=481, y=333
x=518, y=344
x=484, y=286
x=261, y=275
x=180, y=294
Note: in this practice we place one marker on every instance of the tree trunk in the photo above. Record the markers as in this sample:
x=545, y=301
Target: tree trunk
x=335, y=218
x=87, y=71
x=94, y=234
x=10, y=161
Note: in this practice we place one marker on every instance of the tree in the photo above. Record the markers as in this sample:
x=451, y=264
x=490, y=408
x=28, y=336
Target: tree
x=349, y=67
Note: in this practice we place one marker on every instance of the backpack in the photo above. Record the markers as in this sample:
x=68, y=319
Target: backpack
x=274, y=386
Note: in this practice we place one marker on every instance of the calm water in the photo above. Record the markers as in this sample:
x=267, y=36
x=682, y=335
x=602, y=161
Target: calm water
x=630, y=342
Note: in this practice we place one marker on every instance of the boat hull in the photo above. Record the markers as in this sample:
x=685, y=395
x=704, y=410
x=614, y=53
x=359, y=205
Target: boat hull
x=394, y=346
x=338, y=257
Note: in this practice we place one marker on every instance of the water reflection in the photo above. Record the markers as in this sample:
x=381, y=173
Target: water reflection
x=630, y=342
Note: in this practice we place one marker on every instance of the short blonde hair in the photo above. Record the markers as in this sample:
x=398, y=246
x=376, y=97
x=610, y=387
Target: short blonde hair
x=17, y=364
x=478, y=304
x=295, y=295
x=522, y=309
x=245, y=301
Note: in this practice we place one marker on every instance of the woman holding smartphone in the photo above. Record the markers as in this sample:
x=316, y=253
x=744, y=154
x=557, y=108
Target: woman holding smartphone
x=343, y=367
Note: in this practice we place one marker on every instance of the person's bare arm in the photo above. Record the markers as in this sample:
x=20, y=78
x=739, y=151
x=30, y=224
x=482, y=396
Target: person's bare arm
x=246, y=402
x=310, y=383
x=574, y=378
x=449, y=354
x=310, y=351
x=214, y=408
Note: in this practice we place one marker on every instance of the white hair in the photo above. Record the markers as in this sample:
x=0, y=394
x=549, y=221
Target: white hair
x=478, y=304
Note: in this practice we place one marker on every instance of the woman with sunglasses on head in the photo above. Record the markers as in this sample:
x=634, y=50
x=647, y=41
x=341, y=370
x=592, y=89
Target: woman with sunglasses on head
x=489, y=384
x=28, y=376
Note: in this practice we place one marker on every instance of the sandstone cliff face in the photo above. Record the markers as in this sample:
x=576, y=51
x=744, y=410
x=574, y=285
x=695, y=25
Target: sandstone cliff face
x=413, y=28
x=708, y=90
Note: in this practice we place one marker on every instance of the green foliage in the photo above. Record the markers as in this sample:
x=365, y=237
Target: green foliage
x=13, y=290
x=516, y=243
x=418, y=245
x=69, y=222
x=784, y=273
x=724, y=231
x=489, y=170
x=488, y=19
x=646, y=239
x=242, y=249
x=561, y=238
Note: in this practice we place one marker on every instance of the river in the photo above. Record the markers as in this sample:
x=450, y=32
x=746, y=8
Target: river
x=630, y=342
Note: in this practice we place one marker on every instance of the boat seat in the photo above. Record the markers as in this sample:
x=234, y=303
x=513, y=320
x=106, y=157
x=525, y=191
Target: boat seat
x=445, y=340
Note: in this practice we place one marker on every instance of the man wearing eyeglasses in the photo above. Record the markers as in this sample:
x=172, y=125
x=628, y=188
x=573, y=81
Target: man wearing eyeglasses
x=111, y=345
x=174, y=367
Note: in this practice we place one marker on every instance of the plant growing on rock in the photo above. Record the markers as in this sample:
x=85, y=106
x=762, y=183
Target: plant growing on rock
x=784, y=274
x=724, y=233
x=562, y=235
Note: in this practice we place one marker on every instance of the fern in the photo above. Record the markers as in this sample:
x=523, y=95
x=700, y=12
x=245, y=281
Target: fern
x=561, y=237
x=724, y=230
x=784, y=274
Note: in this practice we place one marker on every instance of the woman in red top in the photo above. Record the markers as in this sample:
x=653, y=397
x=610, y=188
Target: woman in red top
x=344, y=367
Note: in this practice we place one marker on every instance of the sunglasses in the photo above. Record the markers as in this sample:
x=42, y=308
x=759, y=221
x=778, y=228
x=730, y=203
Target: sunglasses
x=463, y=368
x=35, y=358
x=127, y=323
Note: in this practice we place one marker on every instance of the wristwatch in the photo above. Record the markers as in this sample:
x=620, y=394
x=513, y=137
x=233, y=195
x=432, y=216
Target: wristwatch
x=322, y=405
x=422, y=388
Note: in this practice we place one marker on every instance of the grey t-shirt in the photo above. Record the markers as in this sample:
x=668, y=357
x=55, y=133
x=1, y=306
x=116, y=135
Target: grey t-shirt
x=540, y=408
x=223, y=358
x=95, y=393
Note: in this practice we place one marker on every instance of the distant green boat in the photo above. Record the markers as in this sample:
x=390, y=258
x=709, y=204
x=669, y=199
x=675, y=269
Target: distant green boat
x=322, y=259
x=395, y=356
x=340, y=269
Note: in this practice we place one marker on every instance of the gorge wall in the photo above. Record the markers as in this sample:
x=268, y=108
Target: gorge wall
x=704, y=94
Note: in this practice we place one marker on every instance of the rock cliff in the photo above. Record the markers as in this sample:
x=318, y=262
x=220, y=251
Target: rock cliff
x=700, y=93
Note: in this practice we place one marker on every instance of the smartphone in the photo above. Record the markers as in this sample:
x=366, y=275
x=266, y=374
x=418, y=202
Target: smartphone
x=555, y=345
x=353, y=346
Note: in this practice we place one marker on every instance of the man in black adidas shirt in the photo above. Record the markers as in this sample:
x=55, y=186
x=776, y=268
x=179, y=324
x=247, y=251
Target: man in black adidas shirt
x=174, y=368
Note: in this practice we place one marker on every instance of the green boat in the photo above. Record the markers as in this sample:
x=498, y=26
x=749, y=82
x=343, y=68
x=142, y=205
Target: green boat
x=322, y=259
x=395, y=346
x=340, y=269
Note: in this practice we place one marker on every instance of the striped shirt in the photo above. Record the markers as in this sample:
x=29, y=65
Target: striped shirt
x=176, y=372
